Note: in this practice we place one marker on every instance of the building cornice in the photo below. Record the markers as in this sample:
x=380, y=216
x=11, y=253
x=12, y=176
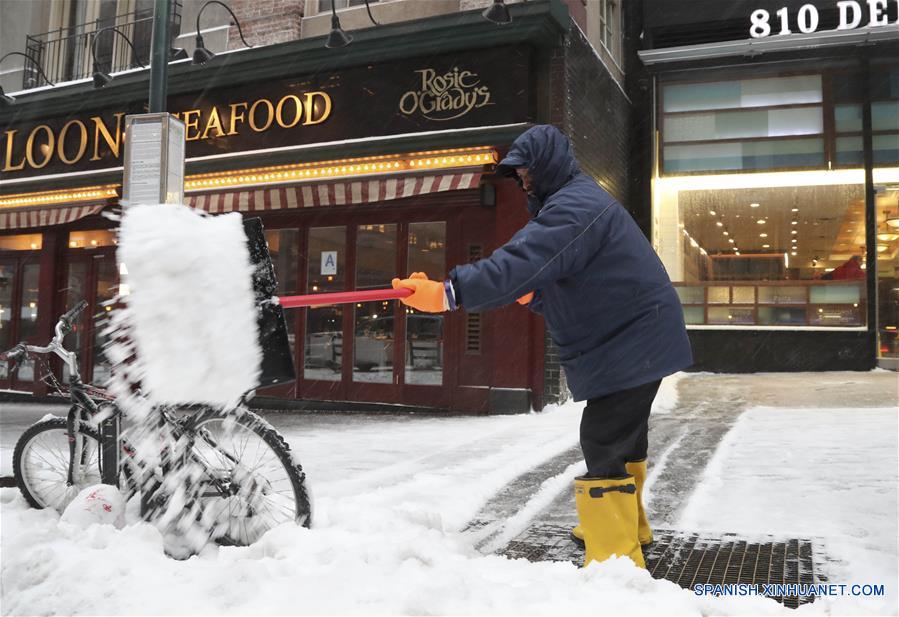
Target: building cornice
x=538, y=22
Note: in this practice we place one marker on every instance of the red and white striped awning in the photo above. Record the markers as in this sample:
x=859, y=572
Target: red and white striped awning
x=22, y=218
x=333, y=193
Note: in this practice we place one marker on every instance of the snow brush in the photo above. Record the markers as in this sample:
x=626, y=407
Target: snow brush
x=202, y=314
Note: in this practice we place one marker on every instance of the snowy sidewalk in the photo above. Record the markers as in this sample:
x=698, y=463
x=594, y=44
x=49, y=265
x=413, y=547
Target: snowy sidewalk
x=407, y=510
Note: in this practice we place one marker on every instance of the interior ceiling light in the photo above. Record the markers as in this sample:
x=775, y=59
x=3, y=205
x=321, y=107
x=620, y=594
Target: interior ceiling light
x=887, y=237
x=794, y=232
x=882, y=248
x=795, y=210
x=761, y=221
x=893, y=222
x=794, y=222
x=766, y=246
x=753, y=205
x=763, y=235
x=731, y=240
x=793, y=253
x=713, y=213
x=719, y=224
x=726, y=233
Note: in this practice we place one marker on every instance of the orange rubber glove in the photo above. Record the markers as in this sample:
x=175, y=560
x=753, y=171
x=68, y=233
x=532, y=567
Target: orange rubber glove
x=429, y=296
x=526, y=298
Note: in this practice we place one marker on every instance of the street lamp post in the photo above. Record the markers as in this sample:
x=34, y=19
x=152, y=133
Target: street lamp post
x=159, y=57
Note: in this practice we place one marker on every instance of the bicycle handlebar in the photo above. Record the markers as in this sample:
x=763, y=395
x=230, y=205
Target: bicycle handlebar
x=70, y=316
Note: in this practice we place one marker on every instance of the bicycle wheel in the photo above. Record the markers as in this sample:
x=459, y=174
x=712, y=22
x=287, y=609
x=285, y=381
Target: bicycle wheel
x=41, y=463
x=252, y=481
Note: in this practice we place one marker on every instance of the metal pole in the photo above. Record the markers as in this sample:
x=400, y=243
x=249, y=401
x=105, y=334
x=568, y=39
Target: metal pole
x=870, y=211
x=159, y=58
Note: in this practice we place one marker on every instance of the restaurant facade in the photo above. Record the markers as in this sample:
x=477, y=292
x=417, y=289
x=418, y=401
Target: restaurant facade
x=770, y=134
x=364, y=163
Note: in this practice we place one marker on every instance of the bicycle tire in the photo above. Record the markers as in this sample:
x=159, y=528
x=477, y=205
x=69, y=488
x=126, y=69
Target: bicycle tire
x=293, y=471
x=24, y=479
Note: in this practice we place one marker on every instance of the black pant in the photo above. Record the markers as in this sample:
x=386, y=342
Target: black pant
x=614, y=430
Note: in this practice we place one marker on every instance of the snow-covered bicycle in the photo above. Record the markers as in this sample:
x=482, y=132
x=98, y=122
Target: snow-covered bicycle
x=243, y=478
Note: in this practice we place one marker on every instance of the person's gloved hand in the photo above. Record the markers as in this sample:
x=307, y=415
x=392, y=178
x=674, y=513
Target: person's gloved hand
x=429, y=296
x=526, y=298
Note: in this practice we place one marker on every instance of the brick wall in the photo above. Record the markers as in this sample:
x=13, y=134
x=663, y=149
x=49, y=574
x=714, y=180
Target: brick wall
x=589, y=106
x=555, y=388
x=597, y=118
x=266, y=22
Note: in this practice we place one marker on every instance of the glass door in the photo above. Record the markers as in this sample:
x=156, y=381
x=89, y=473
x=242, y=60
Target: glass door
x=375, y=323
x=325, y=272
x=424, y=331
x=19, y=310
x=91, y=274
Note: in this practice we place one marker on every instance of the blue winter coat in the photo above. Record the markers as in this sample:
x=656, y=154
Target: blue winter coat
x=608, y=303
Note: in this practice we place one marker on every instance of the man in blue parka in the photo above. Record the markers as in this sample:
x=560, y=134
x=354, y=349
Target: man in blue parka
x=610, y=309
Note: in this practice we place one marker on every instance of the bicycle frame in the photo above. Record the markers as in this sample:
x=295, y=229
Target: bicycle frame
x=84, y=408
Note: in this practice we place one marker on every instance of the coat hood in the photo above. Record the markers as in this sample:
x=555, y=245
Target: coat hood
x=547, y=154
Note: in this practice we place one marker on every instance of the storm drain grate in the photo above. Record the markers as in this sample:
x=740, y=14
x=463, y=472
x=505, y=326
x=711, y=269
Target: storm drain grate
x=690, y=559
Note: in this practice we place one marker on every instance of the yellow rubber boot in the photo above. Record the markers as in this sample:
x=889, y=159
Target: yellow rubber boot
x=577, y=535
x=638, y=470
x=607, y=509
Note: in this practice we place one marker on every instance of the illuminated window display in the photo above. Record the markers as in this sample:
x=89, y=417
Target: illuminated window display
x=759, y=207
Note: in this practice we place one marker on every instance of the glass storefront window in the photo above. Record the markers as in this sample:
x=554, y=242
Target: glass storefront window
x=749, y=124
x=848, y=119
x=75, y=291
x=326, y=272
x=424, y=331
x=783, y=249
x=92, y=239
x=7, y=273
x=22, y=242
x=284, y=248
x=107, y=287
x=887, y=211
x=29, y=306
x=376, y=251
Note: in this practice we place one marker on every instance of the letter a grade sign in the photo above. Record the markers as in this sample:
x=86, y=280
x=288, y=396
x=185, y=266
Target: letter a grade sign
x=329, y=263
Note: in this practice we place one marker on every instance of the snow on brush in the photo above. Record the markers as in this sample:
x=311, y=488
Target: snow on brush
x=392, y=500
x=191, y=309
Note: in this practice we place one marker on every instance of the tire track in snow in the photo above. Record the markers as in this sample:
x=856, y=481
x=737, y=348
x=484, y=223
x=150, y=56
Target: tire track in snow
x=521, y=500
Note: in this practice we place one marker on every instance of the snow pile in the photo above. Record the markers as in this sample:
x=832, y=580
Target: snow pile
x=191, y=309
x=99, y=504
x=384, y=564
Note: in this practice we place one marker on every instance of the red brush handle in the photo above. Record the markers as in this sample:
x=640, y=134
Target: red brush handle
x=343, y=297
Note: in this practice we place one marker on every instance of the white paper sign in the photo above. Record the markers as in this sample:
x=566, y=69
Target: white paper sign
x=329, y=262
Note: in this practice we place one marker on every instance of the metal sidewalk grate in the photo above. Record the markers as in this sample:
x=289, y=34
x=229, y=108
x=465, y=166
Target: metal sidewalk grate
x=690, y=559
